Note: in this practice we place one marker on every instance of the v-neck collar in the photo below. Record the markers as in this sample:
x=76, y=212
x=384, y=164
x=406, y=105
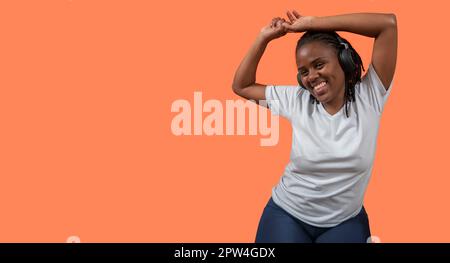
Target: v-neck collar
x=326, y=113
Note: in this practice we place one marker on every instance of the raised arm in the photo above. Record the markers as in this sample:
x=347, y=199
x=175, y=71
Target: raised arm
x=381, y=27
x=244, y=83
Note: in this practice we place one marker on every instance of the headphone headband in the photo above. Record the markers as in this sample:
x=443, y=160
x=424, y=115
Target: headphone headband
x=342, y=43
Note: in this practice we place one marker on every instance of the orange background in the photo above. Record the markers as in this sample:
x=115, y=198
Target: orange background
x=86, y=147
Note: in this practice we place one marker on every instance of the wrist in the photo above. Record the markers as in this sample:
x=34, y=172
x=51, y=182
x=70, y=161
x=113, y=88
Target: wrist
x=262, y=39
x=311, y=22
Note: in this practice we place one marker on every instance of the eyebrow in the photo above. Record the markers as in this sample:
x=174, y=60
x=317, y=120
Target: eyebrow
x=312, y=62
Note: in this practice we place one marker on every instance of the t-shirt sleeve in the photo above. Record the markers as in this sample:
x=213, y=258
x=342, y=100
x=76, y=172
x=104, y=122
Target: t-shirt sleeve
x=282, y=99
x=372, y=90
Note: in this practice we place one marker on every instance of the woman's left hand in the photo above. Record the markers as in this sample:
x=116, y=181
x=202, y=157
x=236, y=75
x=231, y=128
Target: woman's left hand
x=298, y=23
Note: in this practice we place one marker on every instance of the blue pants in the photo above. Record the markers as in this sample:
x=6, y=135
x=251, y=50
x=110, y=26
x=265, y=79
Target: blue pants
x=278, y=226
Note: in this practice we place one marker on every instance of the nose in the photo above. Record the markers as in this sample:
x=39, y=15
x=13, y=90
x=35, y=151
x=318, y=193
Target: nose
x=312, y=77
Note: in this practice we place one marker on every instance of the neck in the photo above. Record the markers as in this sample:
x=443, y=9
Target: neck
x=335, y=105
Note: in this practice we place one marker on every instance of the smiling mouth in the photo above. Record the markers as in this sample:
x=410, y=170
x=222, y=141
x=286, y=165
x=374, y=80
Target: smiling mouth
x=321, y=88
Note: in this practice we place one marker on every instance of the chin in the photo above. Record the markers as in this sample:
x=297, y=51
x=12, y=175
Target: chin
x=322, y=99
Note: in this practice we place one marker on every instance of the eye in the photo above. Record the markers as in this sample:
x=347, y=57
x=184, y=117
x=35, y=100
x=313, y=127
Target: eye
x=319, y=65
x=304, y=73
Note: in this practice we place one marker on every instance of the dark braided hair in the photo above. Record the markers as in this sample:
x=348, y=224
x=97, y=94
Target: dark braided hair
x=352, y=68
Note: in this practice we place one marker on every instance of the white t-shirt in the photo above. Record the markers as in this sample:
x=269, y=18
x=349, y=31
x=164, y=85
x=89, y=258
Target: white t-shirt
x=332, y=156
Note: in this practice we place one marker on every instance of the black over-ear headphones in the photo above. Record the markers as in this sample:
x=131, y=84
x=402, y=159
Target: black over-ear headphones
x=345, y=57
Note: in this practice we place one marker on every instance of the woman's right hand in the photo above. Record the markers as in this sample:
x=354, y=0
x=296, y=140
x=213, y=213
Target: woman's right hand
x=274, y=30
x=297, y=22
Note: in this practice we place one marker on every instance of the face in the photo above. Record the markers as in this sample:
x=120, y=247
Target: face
x=321, y=72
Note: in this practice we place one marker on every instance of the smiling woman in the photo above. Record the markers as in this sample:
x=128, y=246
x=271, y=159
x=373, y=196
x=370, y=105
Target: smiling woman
x=335, y=115
x=329, y=68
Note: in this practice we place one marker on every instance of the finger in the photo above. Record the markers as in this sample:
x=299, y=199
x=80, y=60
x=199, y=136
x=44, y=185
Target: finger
x=287, y=27
x=279, y=23
x=282, y=22
x=291, y=17
x=285, y=21
x=296, y=14
x=272, y=24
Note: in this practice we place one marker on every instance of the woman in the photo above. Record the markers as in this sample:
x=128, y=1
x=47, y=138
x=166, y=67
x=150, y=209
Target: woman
x=334, y=115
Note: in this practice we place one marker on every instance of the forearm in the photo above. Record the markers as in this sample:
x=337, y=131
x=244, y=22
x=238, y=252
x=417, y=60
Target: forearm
x=366, y=24
x=246, y=73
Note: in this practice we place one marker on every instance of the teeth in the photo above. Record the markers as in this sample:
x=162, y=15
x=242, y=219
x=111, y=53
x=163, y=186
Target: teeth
x=321, y=84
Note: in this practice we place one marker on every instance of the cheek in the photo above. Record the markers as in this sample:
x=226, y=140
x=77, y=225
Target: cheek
x=303, y=81
x=338, y=75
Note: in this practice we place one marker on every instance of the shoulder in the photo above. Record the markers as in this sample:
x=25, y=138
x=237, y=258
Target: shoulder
x=283, y=92
x=371, y=90
x=372, y=80
x=284, y=100
x=283, y=89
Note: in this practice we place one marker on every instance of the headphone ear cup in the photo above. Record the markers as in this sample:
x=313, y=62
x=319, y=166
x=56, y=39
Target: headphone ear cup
x=346, y=61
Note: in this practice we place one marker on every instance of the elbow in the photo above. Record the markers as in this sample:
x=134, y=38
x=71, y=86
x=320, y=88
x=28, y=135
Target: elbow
x=234, y=85
x=392, y=20
x=388, y=25
x=236, y=89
